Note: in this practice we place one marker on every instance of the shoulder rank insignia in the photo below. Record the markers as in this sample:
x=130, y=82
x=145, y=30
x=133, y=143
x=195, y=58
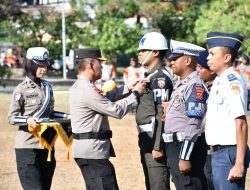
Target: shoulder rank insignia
x=231, y=77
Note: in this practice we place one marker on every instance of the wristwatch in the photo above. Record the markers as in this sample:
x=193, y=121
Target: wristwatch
x=136, y=93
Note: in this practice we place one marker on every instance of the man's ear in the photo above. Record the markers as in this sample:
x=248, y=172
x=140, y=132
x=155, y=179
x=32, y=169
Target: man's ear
x=188, y=60
x=227, y=57
x=91, y=65
x=156, y=53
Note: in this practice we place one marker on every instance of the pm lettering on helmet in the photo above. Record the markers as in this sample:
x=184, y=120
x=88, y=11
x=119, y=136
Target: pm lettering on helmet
x=161, y=95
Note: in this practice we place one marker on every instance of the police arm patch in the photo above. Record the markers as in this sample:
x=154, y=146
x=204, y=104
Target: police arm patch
x=199, y=91
x=17, y=96
x=161, y=82
x=235, y=87
x=195, y=104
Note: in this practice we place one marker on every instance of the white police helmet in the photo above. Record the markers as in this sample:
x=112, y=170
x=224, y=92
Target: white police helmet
x=39, y=55
x=153, y=41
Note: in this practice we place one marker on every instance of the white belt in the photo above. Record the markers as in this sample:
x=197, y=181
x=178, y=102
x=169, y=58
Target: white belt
x=147, y=127
x=167, y=138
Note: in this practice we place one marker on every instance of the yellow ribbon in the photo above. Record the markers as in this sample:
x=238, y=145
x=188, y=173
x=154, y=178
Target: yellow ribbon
x=59, y=131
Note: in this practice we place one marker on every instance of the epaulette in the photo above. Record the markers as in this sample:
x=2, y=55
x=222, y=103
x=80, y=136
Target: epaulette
x=231, y=77
x=23, y=82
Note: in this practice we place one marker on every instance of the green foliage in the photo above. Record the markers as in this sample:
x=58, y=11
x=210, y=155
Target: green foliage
x=5, y=72
x=7, y=31
x=32, y=30
x=229, y=16
x=108, y=30
x=120, y=8
x=181, y=20
x=113, y=36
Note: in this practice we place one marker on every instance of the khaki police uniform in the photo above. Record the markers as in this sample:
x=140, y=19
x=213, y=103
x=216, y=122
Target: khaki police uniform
x=32, y=100
x=148, y=118
x=92, y=146
x=29, y=99
x=183, y=132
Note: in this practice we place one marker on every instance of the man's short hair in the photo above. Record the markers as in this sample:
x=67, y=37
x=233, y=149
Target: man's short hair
x=232, y=52
x=162, y=54
x=81, y=65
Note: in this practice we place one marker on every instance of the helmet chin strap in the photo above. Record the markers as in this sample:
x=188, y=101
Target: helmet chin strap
x=146, y=59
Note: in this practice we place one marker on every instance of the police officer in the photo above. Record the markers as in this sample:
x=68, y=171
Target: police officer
x=33, y=99
x=226, y=122
x=90, y=109
x=208, y=77
x=152, y=49
x=185, y=144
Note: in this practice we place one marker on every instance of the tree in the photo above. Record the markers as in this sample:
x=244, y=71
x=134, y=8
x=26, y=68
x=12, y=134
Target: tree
x=9, y=9
x=109, y=31
x=229, y=16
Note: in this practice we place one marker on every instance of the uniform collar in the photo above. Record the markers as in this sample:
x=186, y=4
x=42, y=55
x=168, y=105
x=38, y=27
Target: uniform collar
x=189, y=77
x=30, y=82
x=84, y=78
x=184, y=81
x=226, y=73
x=209, y=85
x=156, y=67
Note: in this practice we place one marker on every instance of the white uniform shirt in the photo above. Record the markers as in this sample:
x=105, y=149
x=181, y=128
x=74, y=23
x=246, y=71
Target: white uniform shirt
x=106, y=71
x=226, y=102
x=130, y=74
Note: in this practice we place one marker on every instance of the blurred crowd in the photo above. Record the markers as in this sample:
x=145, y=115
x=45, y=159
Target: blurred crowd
x=11, y=57
x=136, y=71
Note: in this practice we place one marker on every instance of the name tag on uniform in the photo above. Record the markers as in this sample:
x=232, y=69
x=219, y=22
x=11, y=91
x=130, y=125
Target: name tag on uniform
x=32, y=96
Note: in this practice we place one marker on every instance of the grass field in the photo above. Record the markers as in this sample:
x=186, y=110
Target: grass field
x=67, y=174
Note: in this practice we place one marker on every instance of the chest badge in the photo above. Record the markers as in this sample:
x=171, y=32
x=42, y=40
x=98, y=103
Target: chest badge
x=161, y=82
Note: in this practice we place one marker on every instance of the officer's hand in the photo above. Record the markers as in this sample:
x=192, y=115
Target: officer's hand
x=140, y=86
x=131, y=84
x=33, y=122
x=163, y=117
x=236, y=172
x=68, y=116
x=157, y=154
x=165, y=105
x=184, y=166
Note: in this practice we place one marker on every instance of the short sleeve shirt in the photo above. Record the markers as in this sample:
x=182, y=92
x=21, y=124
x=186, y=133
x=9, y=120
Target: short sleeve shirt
x=226, y=102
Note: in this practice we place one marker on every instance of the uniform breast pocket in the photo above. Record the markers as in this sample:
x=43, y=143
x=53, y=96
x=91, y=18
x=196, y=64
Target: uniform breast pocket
x=178, y=102
x=33, y=103
x=218, y=100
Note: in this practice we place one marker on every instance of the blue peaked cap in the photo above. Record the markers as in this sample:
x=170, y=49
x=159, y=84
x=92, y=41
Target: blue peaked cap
x=215, y=39
x=202, y=59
